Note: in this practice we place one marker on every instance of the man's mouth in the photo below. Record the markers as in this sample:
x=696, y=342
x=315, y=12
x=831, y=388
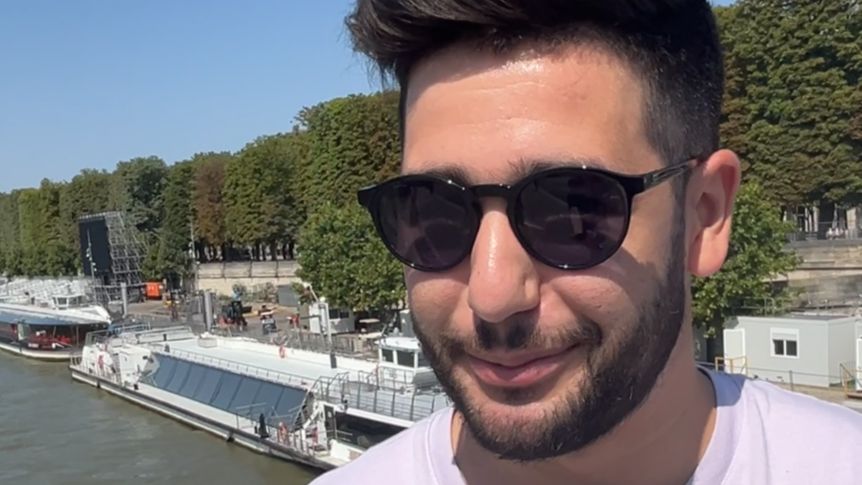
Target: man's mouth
x=518, y=369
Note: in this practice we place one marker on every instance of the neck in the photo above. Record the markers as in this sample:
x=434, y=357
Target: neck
x=661, y=442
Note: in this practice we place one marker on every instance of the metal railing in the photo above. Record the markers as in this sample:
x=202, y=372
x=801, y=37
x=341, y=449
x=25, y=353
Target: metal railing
x=409, y=406
x=283, y=429
x=313, y=342
x=271, y=375
x=850, y=379
x=100, y=336
x=789, y=377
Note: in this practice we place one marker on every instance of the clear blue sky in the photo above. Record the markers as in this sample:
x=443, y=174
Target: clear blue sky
x=88, y=83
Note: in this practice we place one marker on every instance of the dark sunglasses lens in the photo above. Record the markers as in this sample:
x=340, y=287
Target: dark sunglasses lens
x=572, y=219
x=426, y=222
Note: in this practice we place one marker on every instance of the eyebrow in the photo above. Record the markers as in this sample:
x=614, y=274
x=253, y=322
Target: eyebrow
x=520, y=169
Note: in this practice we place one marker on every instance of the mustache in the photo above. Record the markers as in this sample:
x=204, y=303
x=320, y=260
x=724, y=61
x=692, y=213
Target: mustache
x=519, y=333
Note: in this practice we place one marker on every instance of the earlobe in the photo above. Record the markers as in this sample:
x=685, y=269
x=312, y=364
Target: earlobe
x=714, y=186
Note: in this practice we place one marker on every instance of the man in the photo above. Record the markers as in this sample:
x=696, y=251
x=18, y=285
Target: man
x=562, y=180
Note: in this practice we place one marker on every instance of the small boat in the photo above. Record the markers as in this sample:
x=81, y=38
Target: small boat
x=50, y=332
x=311, y=407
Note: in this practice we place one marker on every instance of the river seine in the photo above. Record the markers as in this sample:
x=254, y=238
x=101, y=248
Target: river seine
x=57, y=431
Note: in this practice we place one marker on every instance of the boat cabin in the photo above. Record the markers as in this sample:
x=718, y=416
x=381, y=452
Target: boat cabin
x=402, y=365
x=401, y=352
x=69, y=301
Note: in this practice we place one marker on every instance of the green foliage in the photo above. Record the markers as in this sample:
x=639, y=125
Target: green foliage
x=41, y=232
x=259, y=203
x=792, y=106
x=10, y=245
x=353, y=141
x=137, y=190
x=87, y=193
x=757, y=254
x=344, y=260
x=208, y=200
x=175, y=232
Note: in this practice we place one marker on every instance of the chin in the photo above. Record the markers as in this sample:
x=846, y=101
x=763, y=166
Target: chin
x=511, y=422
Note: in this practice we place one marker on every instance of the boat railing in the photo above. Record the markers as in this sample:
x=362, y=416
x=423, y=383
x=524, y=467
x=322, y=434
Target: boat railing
x=100, y=336
x=282, y=429
x=279, y=377
x=409, y=405
x=251, y=413
x=159, y=335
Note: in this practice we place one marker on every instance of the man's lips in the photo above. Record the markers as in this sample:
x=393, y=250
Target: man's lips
x=515, y=370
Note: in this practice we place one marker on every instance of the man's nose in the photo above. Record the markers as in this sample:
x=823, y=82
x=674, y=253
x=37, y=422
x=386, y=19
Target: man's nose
x=503, y=278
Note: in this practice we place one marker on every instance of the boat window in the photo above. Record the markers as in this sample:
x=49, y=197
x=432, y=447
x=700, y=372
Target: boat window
x=196, y=374
x=336, y=313
x=245, y=395
x=405, y=358
x=269, y=394
x=363, y=432
x=387, y=355
x=179, y=377
x=423, y=361
x=61, y=301
x=209, y=384
x=227, y=388
x=289, y=404
x=164, y=371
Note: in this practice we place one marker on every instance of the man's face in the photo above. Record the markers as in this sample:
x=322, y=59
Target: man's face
x=542, y=361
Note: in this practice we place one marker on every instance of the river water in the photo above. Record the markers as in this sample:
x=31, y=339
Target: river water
x=57, y=431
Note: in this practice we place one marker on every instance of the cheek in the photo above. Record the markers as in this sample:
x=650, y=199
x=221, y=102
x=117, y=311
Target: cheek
x=434, y=298
x=602, y=300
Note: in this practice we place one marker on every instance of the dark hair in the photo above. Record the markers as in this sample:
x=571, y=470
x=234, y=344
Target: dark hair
x=671, y=44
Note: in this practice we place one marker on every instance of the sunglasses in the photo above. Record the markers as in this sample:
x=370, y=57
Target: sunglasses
x=569, y=218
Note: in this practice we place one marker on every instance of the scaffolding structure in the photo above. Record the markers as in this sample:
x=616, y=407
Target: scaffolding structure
x=126, y=253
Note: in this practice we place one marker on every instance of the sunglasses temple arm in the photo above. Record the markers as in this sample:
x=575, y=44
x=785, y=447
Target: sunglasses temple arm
x=659, y=176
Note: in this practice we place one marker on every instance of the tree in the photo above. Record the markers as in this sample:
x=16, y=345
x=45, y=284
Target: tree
x=352, y=142
x=137, y=191
x=345, y=261
x=793, y=97
x=757, y=255
x=259, y=195
x=87, y=193
x=45, y=252
x=208, y=201
x=173, y=259
x=10, y=235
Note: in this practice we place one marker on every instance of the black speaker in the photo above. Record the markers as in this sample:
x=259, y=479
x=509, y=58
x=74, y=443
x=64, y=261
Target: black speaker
x=95, y=247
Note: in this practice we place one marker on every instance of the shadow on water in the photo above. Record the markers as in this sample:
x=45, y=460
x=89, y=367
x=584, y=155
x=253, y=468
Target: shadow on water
x=57, y=431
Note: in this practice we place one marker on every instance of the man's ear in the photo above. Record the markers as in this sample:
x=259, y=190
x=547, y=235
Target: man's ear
x=709, y=200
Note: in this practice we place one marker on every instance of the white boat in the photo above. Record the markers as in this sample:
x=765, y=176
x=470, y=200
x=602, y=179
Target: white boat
x=50, y=332
x=309, y=407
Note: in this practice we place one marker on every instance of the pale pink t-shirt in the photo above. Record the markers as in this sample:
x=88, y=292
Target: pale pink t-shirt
x=764, y=435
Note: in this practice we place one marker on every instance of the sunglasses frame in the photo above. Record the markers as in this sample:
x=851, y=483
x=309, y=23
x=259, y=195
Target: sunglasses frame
x=631, y=186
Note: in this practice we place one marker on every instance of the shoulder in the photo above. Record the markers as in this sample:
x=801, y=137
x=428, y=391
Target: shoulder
x=792, y=434
x=775, y=405
x=397, y=460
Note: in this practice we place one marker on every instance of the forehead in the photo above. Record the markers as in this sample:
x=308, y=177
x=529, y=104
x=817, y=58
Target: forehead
x=487, y=115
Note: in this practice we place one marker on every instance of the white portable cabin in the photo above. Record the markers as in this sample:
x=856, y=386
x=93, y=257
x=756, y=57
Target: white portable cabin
x=810, y=349
x=320, y=316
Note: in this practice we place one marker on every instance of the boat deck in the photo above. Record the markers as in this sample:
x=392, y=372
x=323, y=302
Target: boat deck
x=347, y=386
x=259, y=356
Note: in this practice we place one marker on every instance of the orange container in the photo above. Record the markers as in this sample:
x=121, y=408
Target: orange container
x=154, y=290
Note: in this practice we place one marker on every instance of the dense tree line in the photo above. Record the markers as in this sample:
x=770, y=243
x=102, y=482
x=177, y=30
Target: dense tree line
x=792, y=111
x=249, y=205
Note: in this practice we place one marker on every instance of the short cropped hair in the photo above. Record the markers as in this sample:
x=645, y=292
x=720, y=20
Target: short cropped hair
x=671, y=45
